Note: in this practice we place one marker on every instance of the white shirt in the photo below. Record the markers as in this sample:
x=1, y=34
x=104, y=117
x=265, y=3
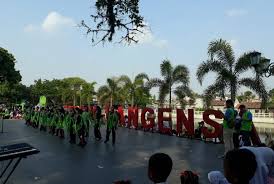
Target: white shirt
x=265, y=164
x=265, y=167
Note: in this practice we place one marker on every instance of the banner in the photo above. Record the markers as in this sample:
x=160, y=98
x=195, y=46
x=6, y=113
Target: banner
x=43, y=101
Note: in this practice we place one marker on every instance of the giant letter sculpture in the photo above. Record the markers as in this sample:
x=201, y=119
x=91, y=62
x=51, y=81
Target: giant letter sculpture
x=149, y=119
x=188, y=123
x=217, y=127
x=161, y=120
x=133, y=117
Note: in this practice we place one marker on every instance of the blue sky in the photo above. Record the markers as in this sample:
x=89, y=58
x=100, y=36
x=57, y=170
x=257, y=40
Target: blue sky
x=46, y=43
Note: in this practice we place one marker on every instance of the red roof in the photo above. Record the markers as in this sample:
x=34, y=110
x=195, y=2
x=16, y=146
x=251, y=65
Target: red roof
x=251, y=105
x=218, y=103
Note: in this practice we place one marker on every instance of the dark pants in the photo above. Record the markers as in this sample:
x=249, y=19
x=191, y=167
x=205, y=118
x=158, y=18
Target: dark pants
x=72, y=136
x=236, y=141
x=97, y=132
x=87, y=131
x=112, y=130
x=81, y=134
x=246, y=137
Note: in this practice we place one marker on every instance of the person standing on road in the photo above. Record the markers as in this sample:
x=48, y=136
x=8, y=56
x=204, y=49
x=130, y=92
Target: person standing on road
x=246, y=125
x=228, y=126
x=98, y=115
x=112, y=123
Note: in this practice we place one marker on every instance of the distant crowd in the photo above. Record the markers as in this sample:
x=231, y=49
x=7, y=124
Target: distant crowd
x=14, y=112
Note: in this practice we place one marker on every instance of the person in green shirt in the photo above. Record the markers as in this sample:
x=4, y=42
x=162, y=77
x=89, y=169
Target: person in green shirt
x=36, y=118
x=27, y=116
x=86, y=121
x=54, y=119
x=112, y=123
x=81, y=127
x=60, y=123
x=246, y=125
x=98, y=116
x=228, y=126
x=70, y=124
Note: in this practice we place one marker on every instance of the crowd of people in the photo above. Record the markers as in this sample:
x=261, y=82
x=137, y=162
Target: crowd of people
x=75, y=121
x=247, y=165
x=14, y=112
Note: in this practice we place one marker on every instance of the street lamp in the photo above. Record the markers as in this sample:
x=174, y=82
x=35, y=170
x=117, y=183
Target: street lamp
x=261, y=64
x=73, y=88
x=81, y=88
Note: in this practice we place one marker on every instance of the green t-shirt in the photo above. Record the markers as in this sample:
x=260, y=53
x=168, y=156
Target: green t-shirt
x=112, y=120
x=229, y=119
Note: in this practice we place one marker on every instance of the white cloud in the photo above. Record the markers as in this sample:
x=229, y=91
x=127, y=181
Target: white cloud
x=147, y=37
x=53, y=22
x=236, y=12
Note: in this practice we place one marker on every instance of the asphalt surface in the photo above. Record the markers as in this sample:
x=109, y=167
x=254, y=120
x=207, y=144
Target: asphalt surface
x=60, y=162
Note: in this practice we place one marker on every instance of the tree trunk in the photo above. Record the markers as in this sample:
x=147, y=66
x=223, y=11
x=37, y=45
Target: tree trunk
x=170, y=95
x=170, y=114
x=233, y=91
x=132, y=100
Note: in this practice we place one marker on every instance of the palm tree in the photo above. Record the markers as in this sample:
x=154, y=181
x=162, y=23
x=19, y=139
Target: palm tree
x=178, y=75
x=111, y=92
x=222, y=62
x=133, y=87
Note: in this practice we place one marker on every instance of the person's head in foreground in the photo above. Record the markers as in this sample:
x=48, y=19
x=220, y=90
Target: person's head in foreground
x=229, y=103
x=239, y=166
x=159, y=167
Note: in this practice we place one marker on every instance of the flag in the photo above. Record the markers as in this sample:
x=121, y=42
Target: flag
x=43, y=101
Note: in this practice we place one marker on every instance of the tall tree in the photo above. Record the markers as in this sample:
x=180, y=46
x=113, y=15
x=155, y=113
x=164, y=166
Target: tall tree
x=271, y=96
x=111, y=92
x=178, y=75
x=112, y=16
x=8, y=73
x=222, y=61
x=135, y=89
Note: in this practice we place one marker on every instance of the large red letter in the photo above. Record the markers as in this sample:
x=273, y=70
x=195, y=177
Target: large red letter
x=149, y=118
x=161, y=120
x=217, y=127
x=133, y=117
x=188, y=123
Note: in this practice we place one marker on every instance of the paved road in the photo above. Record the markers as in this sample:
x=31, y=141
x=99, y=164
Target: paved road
x=59, y=162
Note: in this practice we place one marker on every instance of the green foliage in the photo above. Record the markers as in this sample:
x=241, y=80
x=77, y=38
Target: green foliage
x=136, y=92
x=246, y=96
x=271, y=96
x=112, y=92
x=10, y=89
x=229, y=70
x=66, y=91
x=8, y=73
x=179, y=76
